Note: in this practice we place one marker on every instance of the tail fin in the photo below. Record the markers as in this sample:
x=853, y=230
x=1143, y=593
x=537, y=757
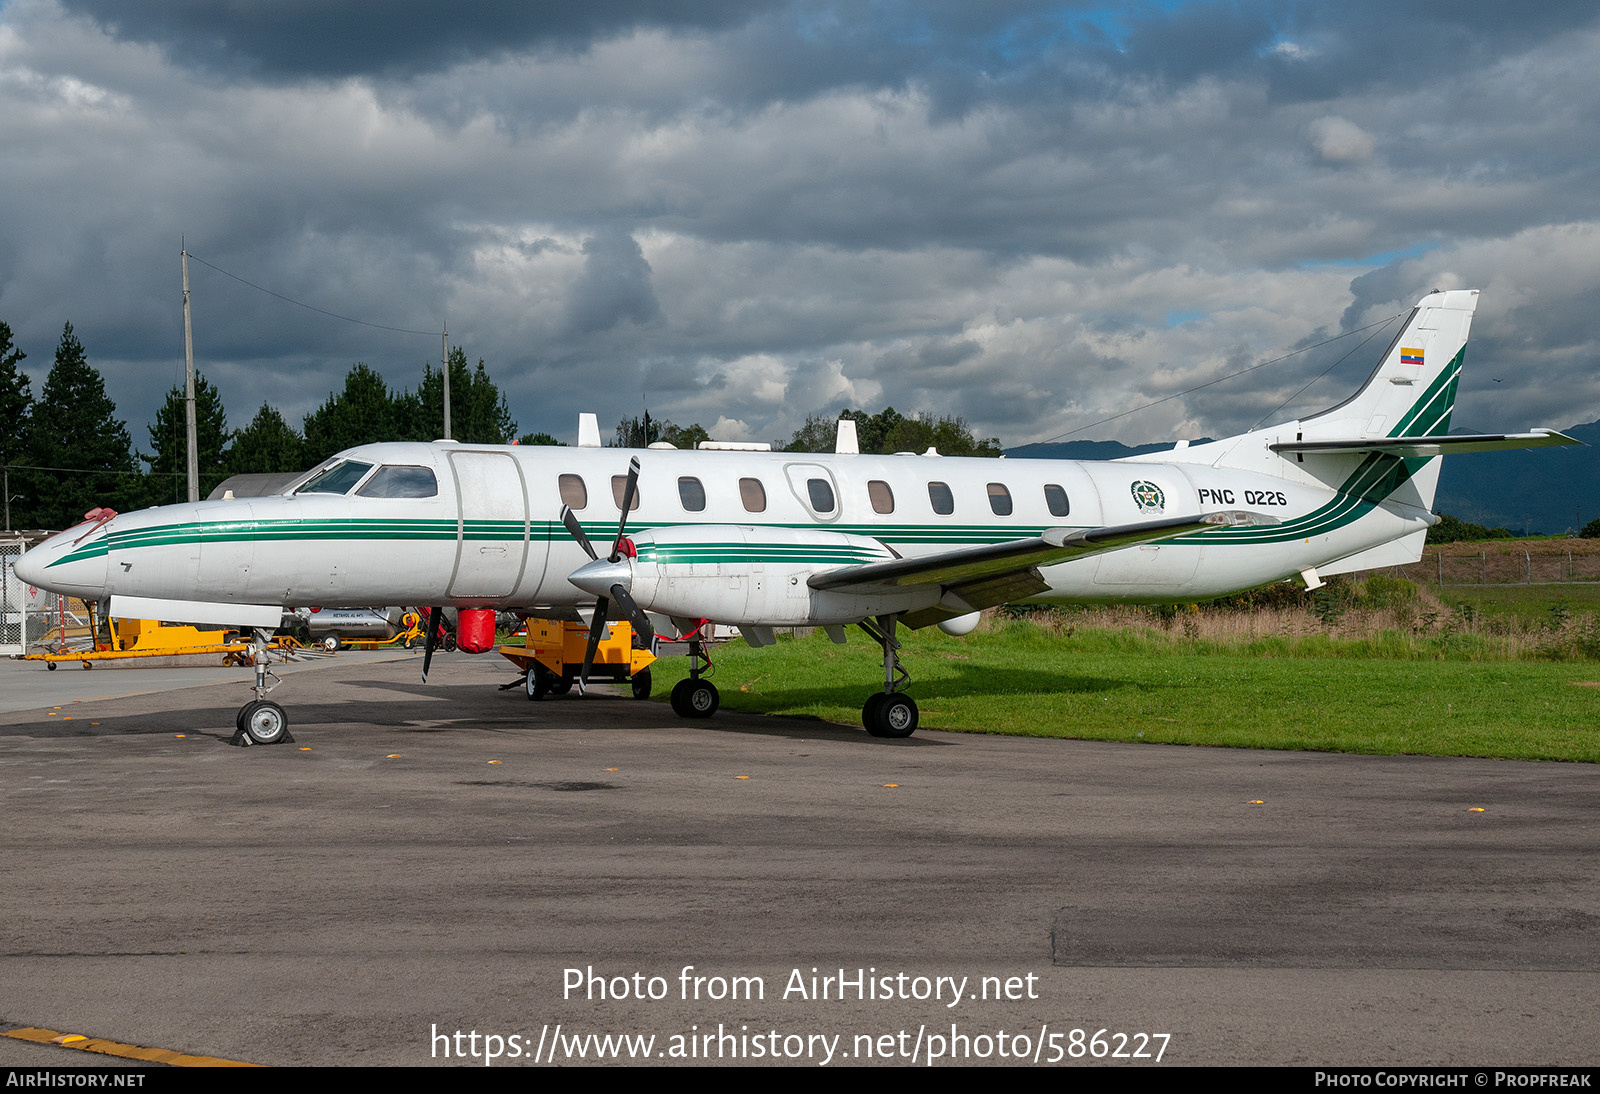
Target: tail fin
x=1413, y=390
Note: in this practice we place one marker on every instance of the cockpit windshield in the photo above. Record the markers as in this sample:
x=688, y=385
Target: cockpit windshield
x=337, y=479
x=401, y=482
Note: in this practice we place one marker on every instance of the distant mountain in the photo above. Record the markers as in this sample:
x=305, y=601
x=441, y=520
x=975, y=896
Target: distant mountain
x=1541, y=490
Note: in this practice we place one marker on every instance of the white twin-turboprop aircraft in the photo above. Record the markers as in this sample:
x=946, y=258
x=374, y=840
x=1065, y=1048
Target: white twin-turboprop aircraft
x=761, y=539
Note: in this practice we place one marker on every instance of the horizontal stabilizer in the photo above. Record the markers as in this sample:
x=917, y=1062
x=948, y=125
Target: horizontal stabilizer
x=1429, y=446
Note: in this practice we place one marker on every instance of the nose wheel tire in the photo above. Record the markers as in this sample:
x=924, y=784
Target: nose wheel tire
x=261, y=722
x=695, y=699
x=244, y=714
x=267, y=724
x=890, y=715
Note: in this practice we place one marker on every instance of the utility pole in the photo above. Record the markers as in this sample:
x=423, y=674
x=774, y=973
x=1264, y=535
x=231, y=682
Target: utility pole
x=444, y=340
x=193, y=460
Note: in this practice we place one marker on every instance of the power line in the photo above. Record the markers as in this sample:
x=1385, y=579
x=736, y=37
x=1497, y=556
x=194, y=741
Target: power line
x=1231, y=375
x=310, y=307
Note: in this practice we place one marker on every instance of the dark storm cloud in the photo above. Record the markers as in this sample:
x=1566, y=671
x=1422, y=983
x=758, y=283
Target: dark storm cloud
x=1031, y=214
x=285, y=39
x=614, y=286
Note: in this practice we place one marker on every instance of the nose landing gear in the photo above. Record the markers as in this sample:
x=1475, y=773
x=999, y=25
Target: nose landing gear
x=261, y=721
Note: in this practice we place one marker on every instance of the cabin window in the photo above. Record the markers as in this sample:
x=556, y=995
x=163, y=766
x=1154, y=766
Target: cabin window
x=337, y=479
x=821, y=493
x=574, y=494
x=944, y=502
x=401, y=482
x=754, y=495
x=1056, y=499
x=882, y=497
x=619, y=486
x=692, y=493
x=999, y=499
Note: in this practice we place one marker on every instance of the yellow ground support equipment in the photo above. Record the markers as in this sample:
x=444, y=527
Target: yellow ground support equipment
x=132, y=638
x=551, y=657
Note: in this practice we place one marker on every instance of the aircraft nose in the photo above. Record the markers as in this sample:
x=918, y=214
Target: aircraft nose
x=63, y=566
x=597, y=577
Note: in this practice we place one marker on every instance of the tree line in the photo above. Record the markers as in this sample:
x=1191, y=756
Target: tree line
x=882, y=434
x=67, y=451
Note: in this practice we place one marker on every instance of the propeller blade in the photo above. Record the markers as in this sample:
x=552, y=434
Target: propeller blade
x=641, y=622
x=628, y=492
x=597, y=630
x=577, y=532
x=432, y=640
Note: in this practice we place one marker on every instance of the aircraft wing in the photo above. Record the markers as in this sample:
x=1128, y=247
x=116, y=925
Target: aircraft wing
x=981, y=577
x=1431, y=446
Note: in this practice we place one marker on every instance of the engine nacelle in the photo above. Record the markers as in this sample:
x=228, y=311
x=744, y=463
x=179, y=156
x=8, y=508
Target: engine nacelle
x=757, y=576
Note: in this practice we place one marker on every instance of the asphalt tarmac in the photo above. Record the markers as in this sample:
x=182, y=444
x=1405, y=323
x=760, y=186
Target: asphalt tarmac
x=431, y=859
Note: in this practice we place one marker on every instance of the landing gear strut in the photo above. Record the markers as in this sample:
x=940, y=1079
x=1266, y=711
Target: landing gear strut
x=889, y=713
x=696, y=697
x=261, y=721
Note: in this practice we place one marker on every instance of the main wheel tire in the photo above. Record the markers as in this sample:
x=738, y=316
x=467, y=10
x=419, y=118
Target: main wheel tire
x=266, y=724
x=695, y=698
x=331, y=643
x=537, y=682
x=245, y=711
x=641, y=684
x=560, y=685
x=50, y=666
x=869, y=711
x=895, y=716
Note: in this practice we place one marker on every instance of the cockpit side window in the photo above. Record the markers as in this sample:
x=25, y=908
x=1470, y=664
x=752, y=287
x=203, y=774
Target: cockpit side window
x=401, y=482
x=337, y=479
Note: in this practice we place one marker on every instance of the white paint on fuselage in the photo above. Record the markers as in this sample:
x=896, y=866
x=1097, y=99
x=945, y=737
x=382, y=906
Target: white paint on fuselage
x=334, y=550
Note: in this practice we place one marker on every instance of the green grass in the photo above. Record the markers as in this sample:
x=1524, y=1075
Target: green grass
x=1391, y=694
x=1528, y=603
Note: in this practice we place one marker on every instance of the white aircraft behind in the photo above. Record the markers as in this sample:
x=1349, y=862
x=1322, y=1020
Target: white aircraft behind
x=777, y=539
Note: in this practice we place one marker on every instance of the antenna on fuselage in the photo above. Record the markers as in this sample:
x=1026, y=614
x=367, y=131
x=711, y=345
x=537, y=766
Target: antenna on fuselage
x=588, y=431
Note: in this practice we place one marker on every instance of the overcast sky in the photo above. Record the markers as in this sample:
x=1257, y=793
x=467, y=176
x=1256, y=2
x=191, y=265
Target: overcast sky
x=1031, y=214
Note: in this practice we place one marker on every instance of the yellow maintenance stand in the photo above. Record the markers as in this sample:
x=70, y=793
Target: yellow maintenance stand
x=133, y=638
x=551, y=657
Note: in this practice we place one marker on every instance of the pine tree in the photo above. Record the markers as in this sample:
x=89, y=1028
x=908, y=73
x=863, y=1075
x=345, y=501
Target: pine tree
x=168, y=479
x=479, y=413
x=268, y=444
x=16, y=413
x=487, y=419
x=361, y=414
x=75, y=427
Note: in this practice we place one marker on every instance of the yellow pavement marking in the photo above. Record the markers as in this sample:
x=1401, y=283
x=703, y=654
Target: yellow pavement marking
x=116, y=1048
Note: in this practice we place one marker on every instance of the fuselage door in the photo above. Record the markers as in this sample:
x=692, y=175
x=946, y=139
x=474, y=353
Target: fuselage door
x=492, y=525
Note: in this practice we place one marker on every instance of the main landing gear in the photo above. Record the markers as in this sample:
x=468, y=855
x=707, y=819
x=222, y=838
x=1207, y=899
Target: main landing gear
x=696, y=697
x=889, y=713
x=261, y=721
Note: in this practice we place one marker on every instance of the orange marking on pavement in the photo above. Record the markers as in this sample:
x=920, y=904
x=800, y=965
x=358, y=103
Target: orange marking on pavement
x=117, y=1048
